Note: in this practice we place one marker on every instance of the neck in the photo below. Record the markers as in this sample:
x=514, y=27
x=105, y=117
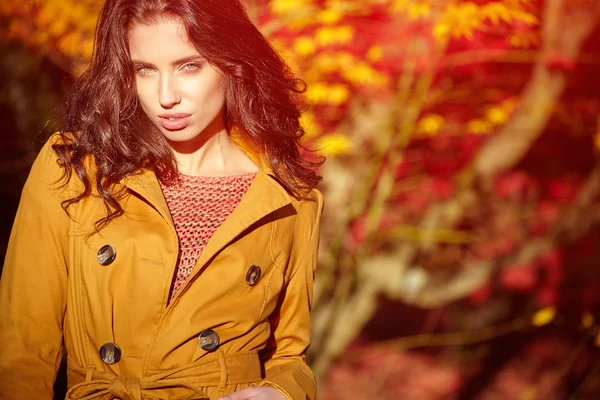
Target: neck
x=216, y=156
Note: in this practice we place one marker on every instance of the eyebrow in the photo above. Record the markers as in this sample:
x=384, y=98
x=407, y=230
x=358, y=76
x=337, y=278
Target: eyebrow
x=174, y=63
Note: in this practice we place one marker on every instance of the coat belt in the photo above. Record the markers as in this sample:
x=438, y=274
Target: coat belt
x=177, y=384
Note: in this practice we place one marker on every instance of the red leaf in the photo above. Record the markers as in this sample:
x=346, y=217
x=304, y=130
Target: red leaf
x=442, y=189
x=547, y=211
x=504, y=246
x=519, y=277
x=546, y=214
x=564, y=189
x=512, y=185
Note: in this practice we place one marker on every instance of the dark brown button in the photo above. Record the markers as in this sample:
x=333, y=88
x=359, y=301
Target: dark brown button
x=106, y=255
x=208, y=340
x=253, y=275
x=110, y=353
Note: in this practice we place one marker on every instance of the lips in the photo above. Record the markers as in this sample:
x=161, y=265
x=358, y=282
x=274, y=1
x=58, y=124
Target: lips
x=174, y=122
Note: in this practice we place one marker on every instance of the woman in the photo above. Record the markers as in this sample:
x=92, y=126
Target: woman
x=175, y=257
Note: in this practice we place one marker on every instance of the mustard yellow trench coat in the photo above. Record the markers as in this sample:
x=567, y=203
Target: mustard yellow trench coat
x=241, y=319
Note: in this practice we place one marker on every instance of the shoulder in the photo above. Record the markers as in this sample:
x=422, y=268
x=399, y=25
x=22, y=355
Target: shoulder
x=48, y=154
x=313, y=200
x=48, y=172
x=47, y=167
x=308, y=210
x=47, y=187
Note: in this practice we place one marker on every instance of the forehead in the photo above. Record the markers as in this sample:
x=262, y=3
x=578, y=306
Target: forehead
x=161, y=40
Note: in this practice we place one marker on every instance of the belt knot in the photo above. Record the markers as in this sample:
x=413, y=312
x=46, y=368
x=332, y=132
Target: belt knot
x=126, y=388
x=187, y=382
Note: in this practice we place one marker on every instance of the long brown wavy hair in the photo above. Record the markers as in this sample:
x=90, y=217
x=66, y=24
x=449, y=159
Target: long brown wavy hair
x=103, y=118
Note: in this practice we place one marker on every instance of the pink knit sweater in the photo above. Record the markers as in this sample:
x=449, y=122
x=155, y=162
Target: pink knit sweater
x=198, y=206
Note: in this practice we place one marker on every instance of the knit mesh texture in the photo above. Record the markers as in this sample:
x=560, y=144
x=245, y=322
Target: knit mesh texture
x=198, y=206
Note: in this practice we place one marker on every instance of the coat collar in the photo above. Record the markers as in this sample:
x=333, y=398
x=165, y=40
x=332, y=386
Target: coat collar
x=265, y=192
x=146, y=183
x=264, y=196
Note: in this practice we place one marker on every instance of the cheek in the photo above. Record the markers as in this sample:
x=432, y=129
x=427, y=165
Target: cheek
x=214, y=94
x=144, y=95
x=216, y=99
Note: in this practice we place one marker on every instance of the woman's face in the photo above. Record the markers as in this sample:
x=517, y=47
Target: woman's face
x=182, y=94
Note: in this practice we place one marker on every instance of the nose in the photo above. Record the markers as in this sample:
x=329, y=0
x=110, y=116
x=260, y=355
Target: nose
x=168, y=95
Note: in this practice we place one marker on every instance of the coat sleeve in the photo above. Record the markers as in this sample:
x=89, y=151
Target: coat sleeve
x=285, y=366
x=33, y=287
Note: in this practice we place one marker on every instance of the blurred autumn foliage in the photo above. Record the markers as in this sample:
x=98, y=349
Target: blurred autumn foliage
x=459, y=253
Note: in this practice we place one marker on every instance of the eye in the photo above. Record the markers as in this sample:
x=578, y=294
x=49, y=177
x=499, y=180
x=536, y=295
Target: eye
x=143, y=70
x=191, y=67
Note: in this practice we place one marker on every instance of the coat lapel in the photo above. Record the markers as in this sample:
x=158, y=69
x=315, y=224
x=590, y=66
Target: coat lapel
x=263, y=197
x=146, y=185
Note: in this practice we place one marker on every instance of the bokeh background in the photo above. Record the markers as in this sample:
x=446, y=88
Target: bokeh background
x=459, y=255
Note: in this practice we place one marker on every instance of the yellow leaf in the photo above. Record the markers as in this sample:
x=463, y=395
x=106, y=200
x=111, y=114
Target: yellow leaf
x=338, y=95
x=479, y=126
x=459, y=20
x=305, y=46
x=70, y=45
x=311, y=129
x=317, y=93
x=58, y=27
x=363, y=74
x=431, y=124
x=526, y=17
x=399, y=5
x=497, y=115
x=375, y=53
x=326, y=62
x=441, y=32
x=344, y=58
x=47, y=15
x=524, y=40
x=416, y=11
x=282, y=7
x=544, y=316
x=334, y=35
x=329, y=16
x=88, y=47
x=496, y=13
x=300, y=22
x=323, y=63
x=321, y=93
x=345, y=34
x=598, y=339
x=334, y=144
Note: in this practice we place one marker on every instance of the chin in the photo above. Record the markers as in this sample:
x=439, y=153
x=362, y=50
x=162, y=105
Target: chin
x=188, y=134
x=179, y=135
